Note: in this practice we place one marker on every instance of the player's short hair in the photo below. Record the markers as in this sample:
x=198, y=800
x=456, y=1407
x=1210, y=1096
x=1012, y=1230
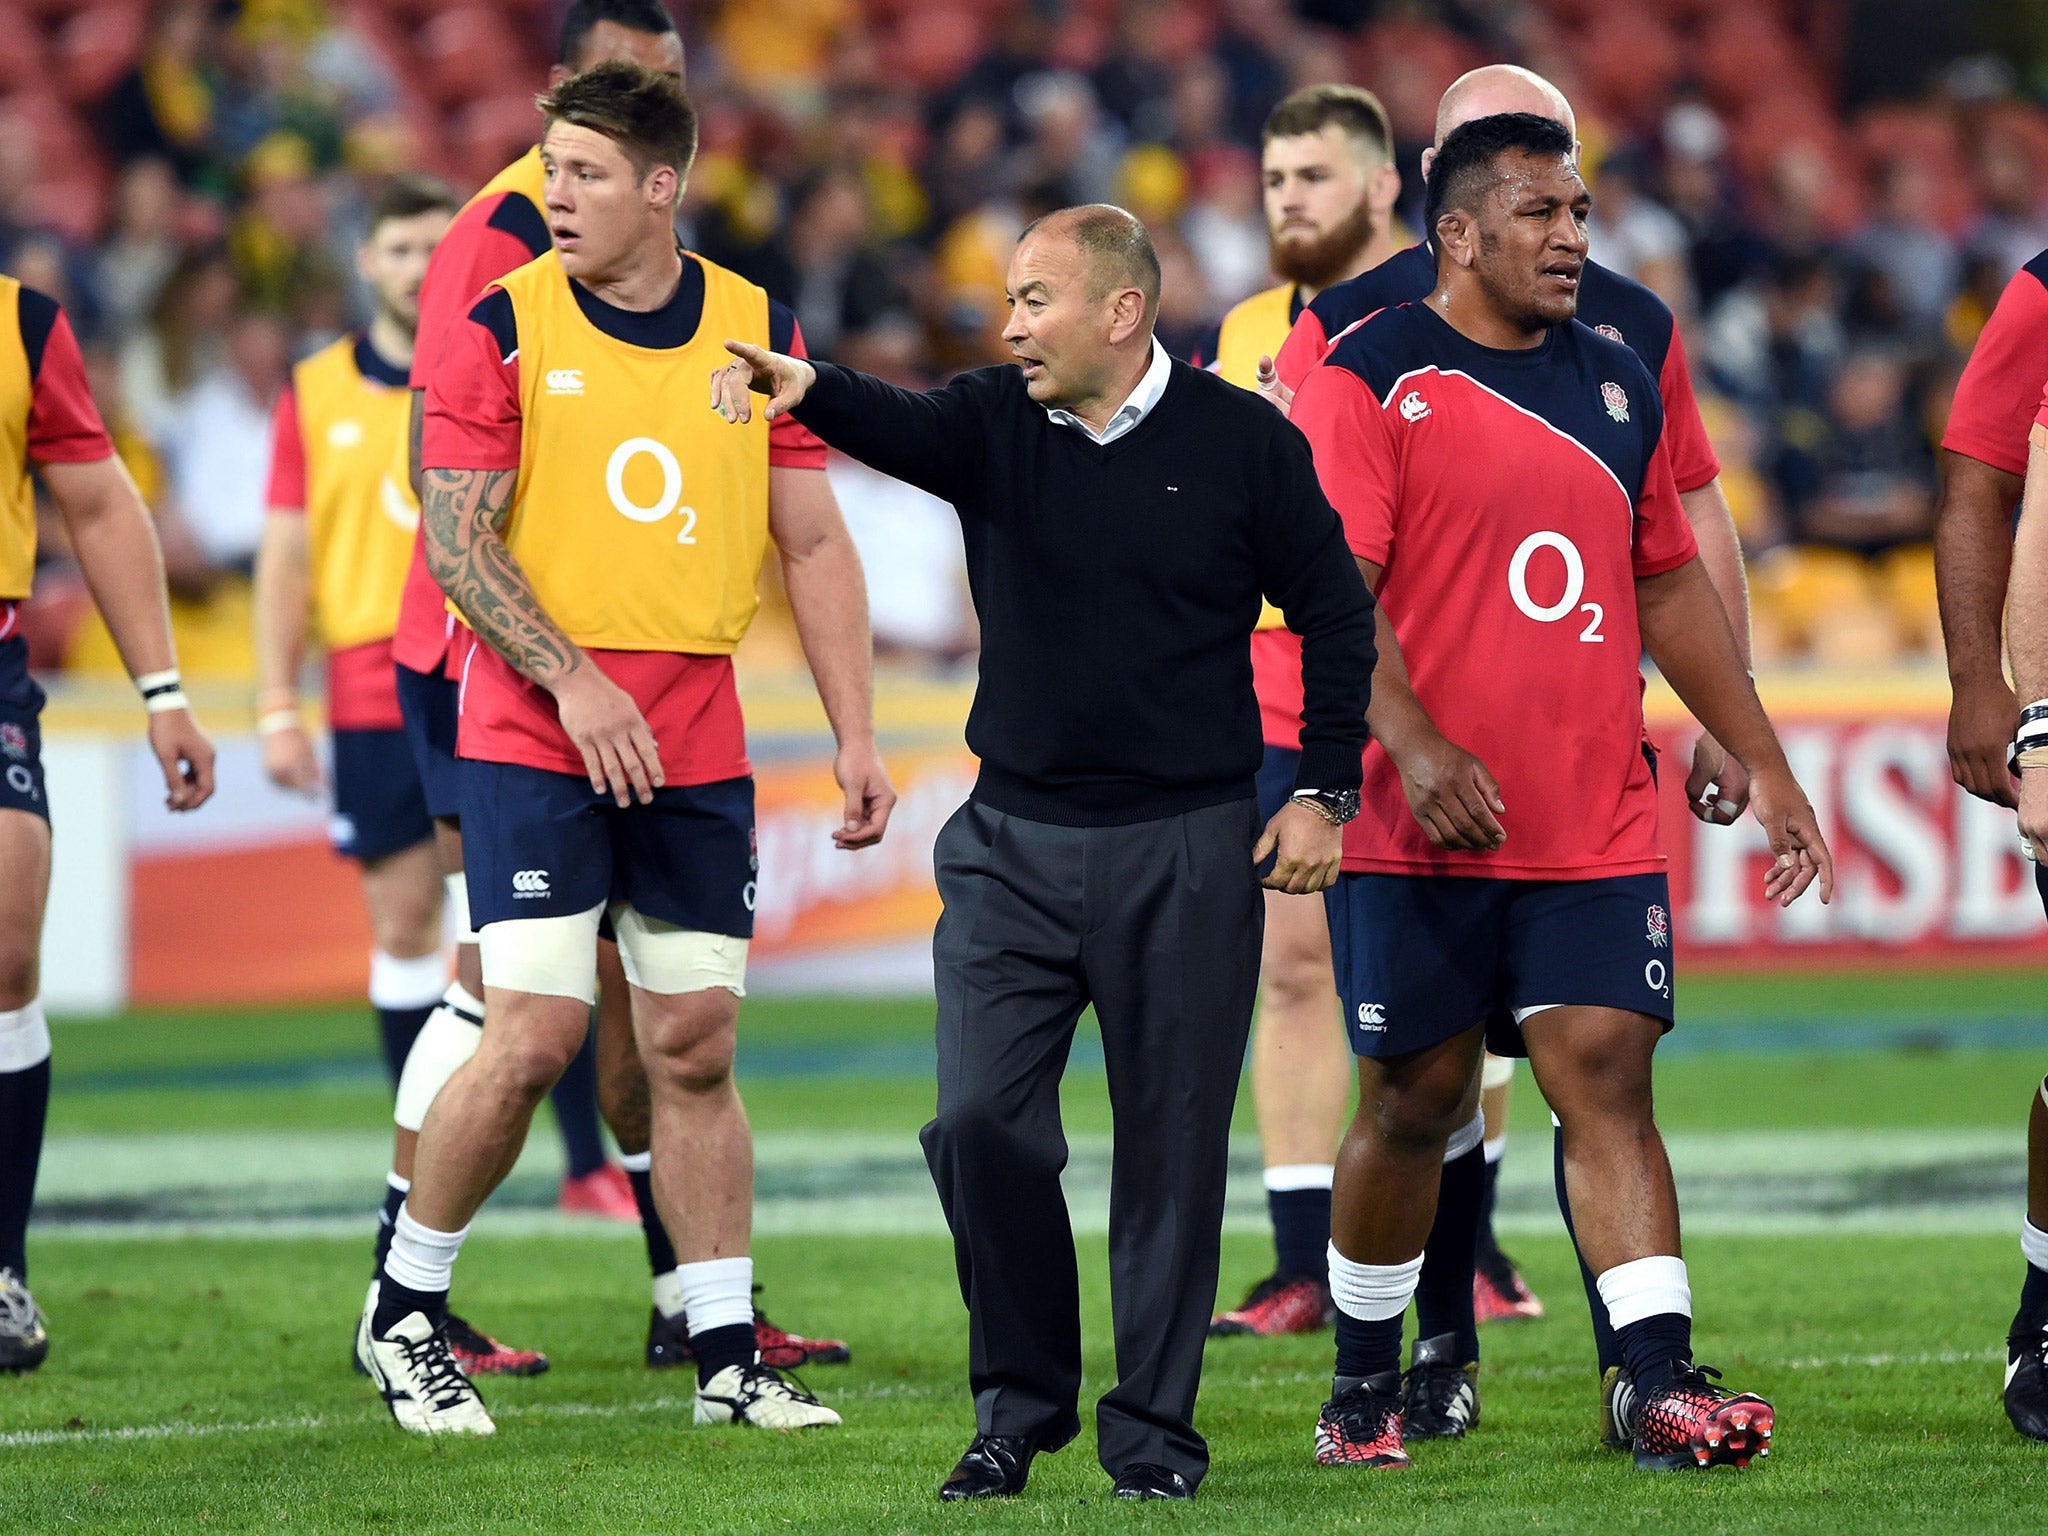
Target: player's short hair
x=1115, y=245
x=1467, y=166
x=647, y=115
x=649, y=16
x=409, y=196
x=1350, y=107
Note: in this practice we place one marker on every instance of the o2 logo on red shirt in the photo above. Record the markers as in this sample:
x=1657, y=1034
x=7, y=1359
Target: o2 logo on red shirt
x=1574, y=585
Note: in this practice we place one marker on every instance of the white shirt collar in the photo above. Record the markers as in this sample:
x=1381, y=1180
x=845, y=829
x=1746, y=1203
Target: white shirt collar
x=1137, y=405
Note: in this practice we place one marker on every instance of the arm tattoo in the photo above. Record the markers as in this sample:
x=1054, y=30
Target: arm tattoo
x=461, y=510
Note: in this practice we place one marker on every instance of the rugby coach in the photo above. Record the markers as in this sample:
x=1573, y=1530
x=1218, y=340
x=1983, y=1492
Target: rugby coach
x=1122, y=514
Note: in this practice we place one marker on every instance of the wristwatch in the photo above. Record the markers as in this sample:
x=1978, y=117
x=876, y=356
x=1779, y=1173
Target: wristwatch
x=1336, y=806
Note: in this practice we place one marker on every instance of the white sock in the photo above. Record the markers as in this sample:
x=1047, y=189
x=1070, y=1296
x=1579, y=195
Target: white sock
x=406, y=983
x=24, y=1037
x=668, y=1295
x=1372, y=1293
x=1470, y=1135
x=1645, y=1288
x=2034, y=1244
x=636, y=1162
x=458, y=997
x=403, y=1186
x=716, y=1293
x=1288, y=1176
x=1496, y=1149
x=422, y=1259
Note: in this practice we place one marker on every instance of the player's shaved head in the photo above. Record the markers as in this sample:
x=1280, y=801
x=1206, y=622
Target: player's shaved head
x=1495, y=90
x=1113, y=244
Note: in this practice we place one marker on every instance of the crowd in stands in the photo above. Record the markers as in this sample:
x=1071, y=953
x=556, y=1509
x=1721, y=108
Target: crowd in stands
x=190, y=178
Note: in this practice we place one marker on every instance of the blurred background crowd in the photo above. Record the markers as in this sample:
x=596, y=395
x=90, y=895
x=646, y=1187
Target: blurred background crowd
x=1829, y=193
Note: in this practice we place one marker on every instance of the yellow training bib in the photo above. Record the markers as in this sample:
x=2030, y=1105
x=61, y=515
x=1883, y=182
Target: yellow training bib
x=360, y=512
x=640, y=515
x=1255, y=328
x=17, y=494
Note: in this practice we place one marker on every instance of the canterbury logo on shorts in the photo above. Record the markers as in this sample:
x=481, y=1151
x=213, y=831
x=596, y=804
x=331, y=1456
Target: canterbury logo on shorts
x=530, y=882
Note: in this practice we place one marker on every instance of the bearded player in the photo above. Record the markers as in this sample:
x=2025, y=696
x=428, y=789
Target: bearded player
x=49, y=426
x=1717, y=788
x=500, y=229
x=603, y=757
x=1330, y=187
x=1995, y=448
x=1501, y=473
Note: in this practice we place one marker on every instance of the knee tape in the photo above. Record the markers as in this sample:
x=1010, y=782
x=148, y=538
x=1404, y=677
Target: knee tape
x=24, y=1037
x=455, y=917
x=1465, y=1139
x=444, y=1043
x=1498, y=1072
x=660, y=957
x=549, y=956
x=411, y=982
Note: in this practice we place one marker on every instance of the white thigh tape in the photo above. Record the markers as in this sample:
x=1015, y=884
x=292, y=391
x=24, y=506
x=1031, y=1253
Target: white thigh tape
x=1498, y=1072
x=455, y=918
x=660, y=957
x=444, y=1043
x=24, y=1037
x=547, y=956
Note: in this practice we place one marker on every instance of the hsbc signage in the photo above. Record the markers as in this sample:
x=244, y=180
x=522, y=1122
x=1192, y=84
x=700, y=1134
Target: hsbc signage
x=1924, y=872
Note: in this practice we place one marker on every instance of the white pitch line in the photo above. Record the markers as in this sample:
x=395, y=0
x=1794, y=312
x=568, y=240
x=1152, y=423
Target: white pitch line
x=178, y=1429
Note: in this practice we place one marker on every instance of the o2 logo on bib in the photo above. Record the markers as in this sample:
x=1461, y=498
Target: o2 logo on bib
x=1574, y=585
x=666, y=501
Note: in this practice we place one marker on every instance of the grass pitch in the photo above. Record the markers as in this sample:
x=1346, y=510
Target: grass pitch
x=203, y=1243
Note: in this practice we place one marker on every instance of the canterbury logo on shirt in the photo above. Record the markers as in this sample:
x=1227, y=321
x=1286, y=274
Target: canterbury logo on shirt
x=565, y=381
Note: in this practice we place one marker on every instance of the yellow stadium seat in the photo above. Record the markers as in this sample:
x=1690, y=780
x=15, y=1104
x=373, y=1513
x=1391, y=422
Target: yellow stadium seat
x=1826, y=603
x=1906, y=577
x=214, y=638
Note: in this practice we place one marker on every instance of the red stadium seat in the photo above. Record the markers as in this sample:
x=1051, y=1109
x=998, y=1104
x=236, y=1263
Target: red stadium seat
x=489, y=133
x=930, y=48
x=467, y=52
x=97, y=47
x=24, y=63
x=1630, y=60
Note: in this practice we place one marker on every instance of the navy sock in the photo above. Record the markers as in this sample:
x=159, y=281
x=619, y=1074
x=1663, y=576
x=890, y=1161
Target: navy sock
x=24, y=1105
x=395, y=1303
x=397, y=1028
x=1301, y=1232
x=716, y=1348
x=1367, y=1349
x=1443, y=1294
x=1654, y=1347
x=661, y=1253
x=1605, y=1345
x=575, y=1099
x=1489, y=1245
x=2033, y=1294
x=387, y=1220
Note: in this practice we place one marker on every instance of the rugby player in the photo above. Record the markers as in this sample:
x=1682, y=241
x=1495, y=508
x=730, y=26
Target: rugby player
x=500, y=229
x=1717, y=787
x=1330, y=187
x=602, y=754
x=49, y=426
x=1989, y=457
x=335, y=546
x=1501, y=472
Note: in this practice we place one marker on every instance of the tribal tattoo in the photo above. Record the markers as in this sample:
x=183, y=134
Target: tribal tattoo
x=461, y=510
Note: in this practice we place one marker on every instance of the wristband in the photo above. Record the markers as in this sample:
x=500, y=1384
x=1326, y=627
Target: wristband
x=273, y=721
x=2038, y=710
x=154, y=685
x=162, y=703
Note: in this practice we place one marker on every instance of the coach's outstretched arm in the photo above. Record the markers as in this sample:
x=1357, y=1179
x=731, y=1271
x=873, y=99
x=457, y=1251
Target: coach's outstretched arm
x=1685, y=632
x=829, y=598
x=932, y=440
x=115, y=542
x=461, y=513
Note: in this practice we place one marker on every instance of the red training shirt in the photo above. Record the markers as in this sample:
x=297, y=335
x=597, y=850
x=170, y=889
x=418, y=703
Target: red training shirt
x=1513, y=499
x=2001, y=383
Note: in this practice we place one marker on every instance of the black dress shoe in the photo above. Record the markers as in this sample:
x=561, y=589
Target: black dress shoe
x=994, y=1467
x=1148, y=1480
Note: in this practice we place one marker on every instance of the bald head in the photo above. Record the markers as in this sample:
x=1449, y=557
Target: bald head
x=1113, y=247
x=1496, y=89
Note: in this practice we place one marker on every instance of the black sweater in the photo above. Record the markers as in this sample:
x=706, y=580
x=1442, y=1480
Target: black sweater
x=1118, y=585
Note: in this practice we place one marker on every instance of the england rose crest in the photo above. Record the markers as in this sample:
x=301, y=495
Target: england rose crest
x=1660, y=928
x=13, y=740
x=1615, y=398
x=1610, y=332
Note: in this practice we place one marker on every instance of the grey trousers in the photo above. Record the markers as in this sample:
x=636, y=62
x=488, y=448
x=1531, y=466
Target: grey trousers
x=1158, y=925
